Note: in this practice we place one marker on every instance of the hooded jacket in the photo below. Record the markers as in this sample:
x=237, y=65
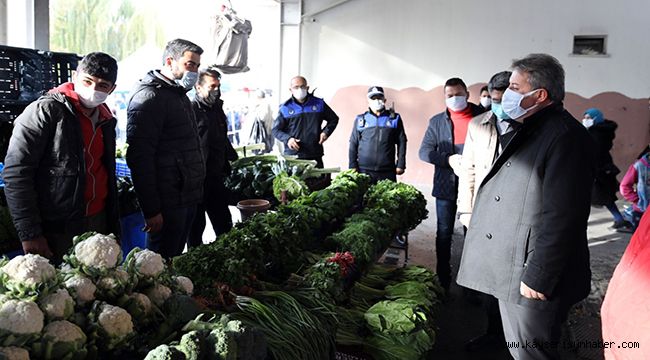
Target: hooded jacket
x=49, y=174
x=164, y=154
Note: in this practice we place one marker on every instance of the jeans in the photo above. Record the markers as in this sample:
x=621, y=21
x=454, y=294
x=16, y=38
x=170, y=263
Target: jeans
x=376, y=176
x=446, y=217
x=170, y=240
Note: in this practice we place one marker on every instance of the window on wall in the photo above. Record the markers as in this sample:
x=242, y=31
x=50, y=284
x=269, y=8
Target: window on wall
x=589, y=45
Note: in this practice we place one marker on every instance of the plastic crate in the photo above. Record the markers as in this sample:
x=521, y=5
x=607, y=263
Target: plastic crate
x=121, y=169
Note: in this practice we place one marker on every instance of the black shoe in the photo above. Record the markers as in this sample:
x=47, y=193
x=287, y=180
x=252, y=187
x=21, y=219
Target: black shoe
x=620, y=225
x=484, y=342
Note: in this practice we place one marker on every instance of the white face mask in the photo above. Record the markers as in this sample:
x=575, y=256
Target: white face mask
x=511, y=103
x=188, y=80
x=299, y=94
x=456, y=103
x=376, y=105
x=588, y=123
x=88, y=97
x=486, y=101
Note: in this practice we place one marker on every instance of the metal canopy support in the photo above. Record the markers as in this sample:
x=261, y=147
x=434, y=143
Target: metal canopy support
x=326, y=8
x=290, y=28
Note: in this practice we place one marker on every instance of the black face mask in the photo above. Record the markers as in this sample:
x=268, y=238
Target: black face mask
x=212, y=97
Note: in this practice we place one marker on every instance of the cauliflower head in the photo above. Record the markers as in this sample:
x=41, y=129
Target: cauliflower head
x=115, y=283
x=158, y=294
x=149, y=263
x=115, y=321
x=28, y=276
x=185, y=284
x=82, y=288
x=98, y=252
x=58, y=305
x=21, y=322
x=14, y=353
x=61, y=340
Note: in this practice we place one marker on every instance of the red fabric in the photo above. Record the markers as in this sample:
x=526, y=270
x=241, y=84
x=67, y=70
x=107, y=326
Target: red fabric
x=626, y=309
x=96, y=189
x=461, y=121
x=627, y=185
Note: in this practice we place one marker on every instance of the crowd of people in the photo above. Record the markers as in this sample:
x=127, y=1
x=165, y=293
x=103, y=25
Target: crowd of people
x=518, y=171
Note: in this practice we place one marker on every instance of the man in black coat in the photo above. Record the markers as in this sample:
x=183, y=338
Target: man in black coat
x=217, y=152
x=164, y=154
x=527, y=239
x=60, y=166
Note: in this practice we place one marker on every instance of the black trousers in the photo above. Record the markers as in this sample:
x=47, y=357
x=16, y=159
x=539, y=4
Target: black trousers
x=61, y=243
x=215, y=204
x=170, y=241
x=532, y=334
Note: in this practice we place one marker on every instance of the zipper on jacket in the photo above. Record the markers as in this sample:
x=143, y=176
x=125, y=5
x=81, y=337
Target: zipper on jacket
x=92, y=162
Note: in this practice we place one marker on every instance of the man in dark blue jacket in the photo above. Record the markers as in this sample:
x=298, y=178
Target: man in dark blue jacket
x=299, y=123
x=375, y=134
x=442, y=146
x=165, y=154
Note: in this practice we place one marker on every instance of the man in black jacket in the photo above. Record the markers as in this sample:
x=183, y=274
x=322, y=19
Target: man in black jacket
x=375, y=134
x=299, y=123
x=526, y=243
x=217, y=152
x=60, y=166
x=164, y=154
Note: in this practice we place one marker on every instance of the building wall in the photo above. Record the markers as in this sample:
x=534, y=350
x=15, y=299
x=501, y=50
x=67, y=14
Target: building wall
x=413, y=46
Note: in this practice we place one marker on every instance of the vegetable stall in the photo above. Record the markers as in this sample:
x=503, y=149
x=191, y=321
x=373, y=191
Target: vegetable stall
x=298, y=282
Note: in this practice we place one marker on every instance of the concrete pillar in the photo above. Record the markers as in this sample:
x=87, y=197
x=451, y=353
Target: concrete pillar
x=290, y=25
x=3, y=22
x=28, y=23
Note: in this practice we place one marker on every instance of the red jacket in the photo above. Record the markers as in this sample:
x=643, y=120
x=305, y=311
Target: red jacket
x=625, y=312
x=96, y=189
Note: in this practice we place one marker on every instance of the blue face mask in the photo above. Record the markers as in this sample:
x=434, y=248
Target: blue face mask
x=498, y=111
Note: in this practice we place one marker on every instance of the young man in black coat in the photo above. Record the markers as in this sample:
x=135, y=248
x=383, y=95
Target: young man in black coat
x=165, y=154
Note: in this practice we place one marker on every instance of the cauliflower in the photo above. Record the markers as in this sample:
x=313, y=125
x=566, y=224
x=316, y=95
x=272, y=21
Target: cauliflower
x=82, y=288
x=145, y=265
x=14, y=353
x=139, y=306
x=115, y=321
x=94, y=253
x=61, y=340
x=158, y=294
x=185, y=284
x=114, y=284
x=28, y=276
x=58, y=305
x=165, y=352
x=21, y=321
x=111, y=326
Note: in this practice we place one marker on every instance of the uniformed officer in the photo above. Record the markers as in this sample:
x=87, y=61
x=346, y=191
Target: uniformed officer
x=376, y=135
x=299, y=124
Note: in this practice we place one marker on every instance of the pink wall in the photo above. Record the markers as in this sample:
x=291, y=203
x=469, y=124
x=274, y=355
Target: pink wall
x=417, y=106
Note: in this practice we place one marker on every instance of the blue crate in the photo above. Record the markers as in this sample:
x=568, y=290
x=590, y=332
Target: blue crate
x=132, y=234
x=121, y=169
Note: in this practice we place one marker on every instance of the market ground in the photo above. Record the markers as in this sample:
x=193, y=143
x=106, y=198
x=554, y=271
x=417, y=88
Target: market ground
x=459, y=321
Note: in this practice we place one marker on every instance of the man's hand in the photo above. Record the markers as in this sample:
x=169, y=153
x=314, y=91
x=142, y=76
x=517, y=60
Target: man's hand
x=399, y=171
x=454, y=162
x=37, y=246
x=464, y=219
x=323, y=137
x=293, y=144
x=529, y=293
x=153, y=224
